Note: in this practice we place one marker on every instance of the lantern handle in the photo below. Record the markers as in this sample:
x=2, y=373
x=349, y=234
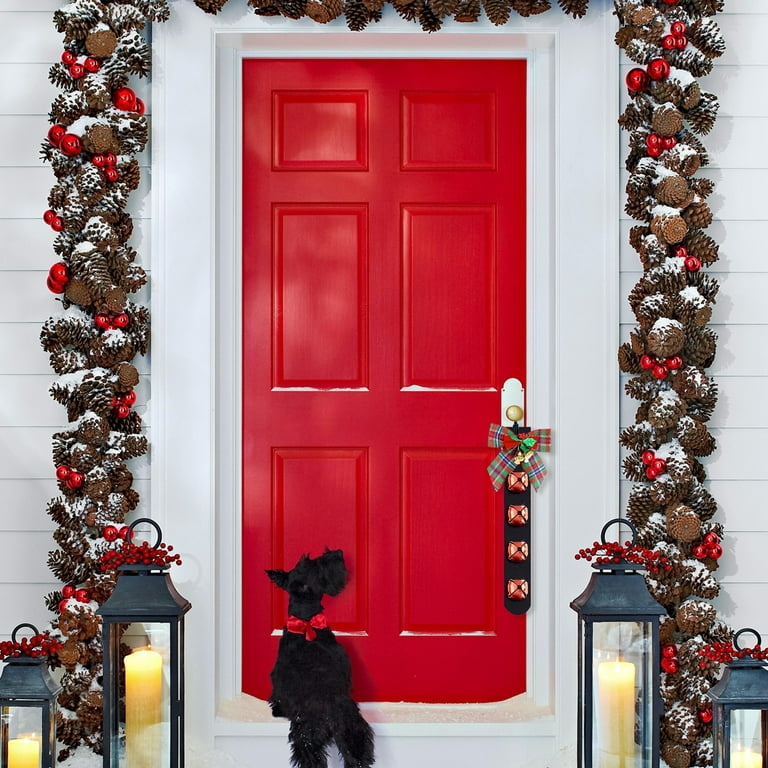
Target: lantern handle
x=34, y=629
x=620, y=521
x=152, y=523
x=741, y=631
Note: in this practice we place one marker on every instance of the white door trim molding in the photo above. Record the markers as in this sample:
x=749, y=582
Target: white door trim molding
x=573, y=330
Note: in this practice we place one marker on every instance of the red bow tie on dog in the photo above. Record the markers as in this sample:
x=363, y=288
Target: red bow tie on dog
x=307, y=628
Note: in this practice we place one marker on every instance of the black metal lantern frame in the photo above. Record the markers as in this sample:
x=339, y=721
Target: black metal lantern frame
x=740, y=708
x=619, y=704
x=143, y=646
x=28, y=703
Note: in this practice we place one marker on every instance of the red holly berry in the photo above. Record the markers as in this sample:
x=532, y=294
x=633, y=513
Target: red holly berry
x=55, y=132
x=102, y=320
x=59, y=272
x=681, y=252
x=652, y=140
x=70, y=145
x=82, y=596
x=659, y=466
x=123, y=532
x=62, y=472
x=68, y=590
x=68, y=58
x=670, y=2
x=77, y=70
x=120, y=320
x=91, y=64
x=648, y=457
x=129, y=398
x=655, y=151
x=668, y=42
x=692, y=264
x=111, y=174
x=660, y=371
x=110, y=533
x=75, y=479
x=637, y=80
x=122, y=411
x=678, y=28
x=715, y=551
x=658, y=69
x=674, y=363
x=647, y=362
x=670, y=666
x=125, y=99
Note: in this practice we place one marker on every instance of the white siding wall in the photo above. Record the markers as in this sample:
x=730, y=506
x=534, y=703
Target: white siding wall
x=28, y=416
x=739, y=477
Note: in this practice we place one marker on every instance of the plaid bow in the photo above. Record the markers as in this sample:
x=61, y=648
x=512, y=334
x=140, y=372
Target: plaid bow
x=518, y=450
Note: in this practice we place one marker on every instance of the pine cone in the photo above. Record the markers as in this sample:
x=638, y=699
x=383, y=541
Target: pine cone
x=681, y=160
x=77, y=292
x=210, y=6
x=112, y=302
x=641, y=506
x=691, y=96
x=127, y=376
x=72, y=653
x=666, y=338
x=702, y=501
x=85, y=457
x=666, y=409
x=683, y=523
x=357, y=15
x=697, y=216
x=108, y=352
x=467, y=11
x=674, y=191
x=99, y=140
x=577, y=8
x=670, y=228
x=695, y=617
x=667, y=120
x=700, y=346
x=101, y=43
x=695, y=437
x=667, y=630
x=497, y=11
x=628, y=360
x=675, y=755
x=666, y=90
x=93, y=430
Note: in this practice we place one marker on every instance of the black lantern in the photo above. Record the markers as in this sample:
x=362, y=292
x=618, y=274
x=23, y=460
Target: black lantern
x=740, y=709
x=619, y=703
x=28, y=705
x=143, y=638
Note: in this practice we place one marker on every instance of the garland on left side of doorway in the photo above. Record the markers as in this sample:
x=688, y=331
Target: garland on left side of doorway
x=98, y=129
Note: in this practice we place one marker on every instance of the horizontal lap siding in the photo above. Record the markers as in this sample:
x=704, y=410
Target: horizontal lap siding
x=738, y=470
x=29, y=44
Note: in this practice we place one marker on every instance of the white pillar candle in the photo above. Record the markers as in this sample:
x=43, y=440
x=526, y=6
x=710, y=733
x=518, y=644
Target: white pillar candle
x=23, y=753
x=746, y=760
x=143, y=708
x=616, y=716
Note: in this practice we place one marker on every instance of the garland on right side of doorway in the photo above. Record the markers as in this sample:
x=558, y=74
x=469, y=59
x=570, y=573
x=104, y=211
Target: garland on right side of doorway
x=672, y=44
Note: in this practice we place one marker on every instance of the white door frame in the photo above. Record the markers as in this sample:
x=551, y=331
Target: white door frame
x=572, y=339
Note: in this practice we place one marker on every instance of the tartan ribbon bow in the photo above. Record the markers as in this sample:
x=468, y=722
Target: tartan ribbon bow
x=518, y=450
x=307, y=628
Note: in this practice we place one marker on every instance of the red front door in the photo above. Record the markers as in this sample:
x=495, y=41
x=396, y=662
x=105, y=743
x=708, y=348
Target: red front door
x=383, y=307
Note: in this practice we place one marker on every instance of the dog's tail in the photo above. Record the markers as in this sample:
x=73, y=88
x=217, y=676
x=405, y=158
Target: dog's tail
x=353, y=735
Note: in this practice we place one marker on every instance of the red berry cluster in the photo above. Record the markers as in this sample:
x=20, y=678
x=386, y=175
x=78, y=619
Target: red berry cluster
x=69, y=476
x=676, y=39
x=76, y=69
x=613, y=552
x=692, y=263
x=654, y=466
x=69, y=591
x=126, y=100
x=58, y=274
x=106, y=322
x=657, y=144
x=68, y=143
x=639, y=79
x=121, y=404
x=669, y=662
x=107, y=164
x=708, y=547
x=725, y=653
x=38, y=645
x=660, y=367
x=130, y=554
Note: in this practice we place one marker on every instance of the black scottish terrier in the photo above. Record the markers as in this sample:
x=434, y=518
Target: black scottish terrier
x=311, y=679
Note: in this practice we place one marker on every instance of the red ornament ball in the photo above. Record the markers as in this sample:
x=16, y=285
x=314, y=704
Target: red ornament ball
x=59, y=272
x=655, y=151
x=692, y=263
x=110, y=533
x=68, y=58
x=711, y=538
x=715, y=551
x=62, y=472
x=648, y=457
x=53, y=286
x=658, y=69
x=63, y=605
x=669, y=651
x=140, y=107
x=660, y=371
x=669, y=142
x=122, y=411
x=99, y=161
x=659, y=466
x=55, y=132
x=681, y=252
x=699, y=551
x=82, y=596
x=651, y=473
x=647, y=362
x=102, y=320
x=681, y=42
x=669, y=42
x=706, y=715
x=49, y=216
x=129, y=398
x=91, y=64
x=110, y=159
x=70, y=145
x=68, y=591
x=123, y=532
x=670, y=666
x=637, y=80
x=678, y=28
x=57, y=224
x=76, y=70
x=652, y=140
x=674, y=363
x=120, y=320
x=75, y=479
x=111, y=174
x=125, y=99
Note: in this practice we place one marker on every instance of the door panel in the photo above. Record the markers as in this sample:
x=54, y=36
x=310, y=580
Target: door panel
x=383, y=270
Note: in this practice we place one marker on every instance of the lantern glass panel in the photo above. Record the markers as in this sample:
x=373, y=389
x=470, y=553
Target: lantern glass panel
x=142, y=738
x=747, y=743
x=622, y=685
x=22, y=728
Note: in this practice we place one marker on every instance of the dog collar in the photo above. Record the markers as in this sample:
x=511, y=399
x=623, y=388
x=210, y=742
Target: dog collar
x=307, y=628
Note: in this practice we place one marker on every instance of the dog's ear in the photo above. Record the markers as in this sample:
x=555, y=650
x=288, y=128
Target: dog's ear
x=332, y=570
x=280, y=578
